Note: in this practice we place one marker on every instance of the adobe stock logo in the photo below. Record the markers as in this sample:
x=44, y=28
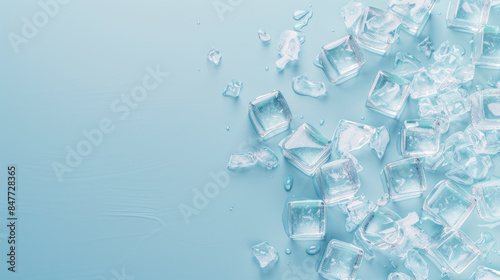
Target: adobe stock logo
x=31, y=27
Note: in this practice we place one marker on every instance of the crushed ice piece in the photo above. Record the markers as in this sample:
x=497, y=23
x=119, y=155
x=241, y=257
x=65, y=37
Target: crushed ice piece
x=306, y=148
x=303, y=86
x=460, y=176
x=341, y=59
x=313, y=250
x=305, y=21
x=420, y=138
x=399, y=276
x=215, y=56
x=468, y=15
x=414, y=237
x=237, y=161
x=379, y=141
x=341, y=261
x=432, y=163
x=377, y=30
x=426, y=46
x=263, y=36
x=452, y=251
x=306, y=220
x=288, y=48
x=423, y=85
x=486, y=48
x=453, y=102
x=485, y=273
x=464, y=74
x=351, y=13
x=270, y=114
x=487, y=194
x=350, y=136
x=357, y=209
x=388, y=94
x=417, y=265
x=232, y=89
x=267, y=158
x=442, y=50
x=288, y=183
x=338, y=181
x=381, y=230
x=265, y=254
x=404, y=179
x=485, y=243
x=485, y=109
x=413, y=13
x=406, y=65
x=449, y=204
x=299, y=14
x=383, y=200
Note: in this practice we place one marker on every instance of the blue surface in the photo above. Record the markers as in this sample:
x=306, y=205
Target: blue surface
x=116, y=213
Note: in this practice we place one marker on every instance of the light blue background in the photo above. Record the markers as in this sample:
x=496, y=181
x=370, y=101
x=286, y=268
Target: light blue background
x=116, y=215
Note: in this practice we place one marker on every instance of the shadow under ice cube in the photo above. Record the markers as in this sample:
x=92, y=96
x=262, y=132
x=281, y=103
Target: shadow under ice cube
x=486, y=47
x=404, y=179
x=270, y=114
x=420, y=138
x=341, y=261
x=338, y=181
x=342, y=59
x=306, y=219
x=468, y=15
x=388, y=94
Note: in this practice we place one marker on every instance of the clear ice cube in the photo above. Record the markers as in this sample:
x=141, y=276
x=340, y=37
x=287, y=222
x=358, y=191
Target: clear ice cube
x=267, y=158
x=454, y=102
x=399, y=276
x=237, y=161
x=270, y=114
x=356, y=209
x=306, y=219
x=486, y=47
x=426, y=46
x=351, y=13
x=377, y=30
x=232, y=89
x=379, y=141
x=420, y=138
x=485, y=109
x=388, y=94
x=423, y=85
x=468, y=15
x=449, y=204
x=338, y=181
x=303, y=86
x=265, y=254
x=381, y=230
x=417, y=265
x=487, y=194
x=406, y=65
x=306, y=148
x=288, y=48
x=485, y=273
x=350, y=136
x=341, y=59
x=404, y=179
x=214, y=56
x=413, y=13
x=341, y=261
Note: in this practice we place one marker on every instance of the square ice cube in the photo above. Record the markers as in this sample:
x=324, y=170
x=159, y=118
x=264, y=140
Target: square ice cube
x=337, y=180
x=485, y=273
x=306, y=148
x=265, y=254
x=404, y=179
x=487, y=194
x=453, y=251
x=341, y=261
x=413, y=13
x=388, y=94
x=270, y=114
x=342, y=59
x=449, y=204
x=381, y=229
x=377, y=30
x=420, y=138
x=486, y=47
x=485, y=109
x=306, y=219
x=399, y=276
x=468, y=15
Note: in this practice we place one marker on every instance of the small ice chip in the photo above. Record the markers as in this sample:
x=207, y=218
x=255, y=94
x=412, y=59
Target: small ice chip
x=388, y=94
x=237, y=161
x=379, y=141
x=288, y=48
x=306, y=219
x=267, y=158
x=303, y=86
x=413, y=13
x=399, y=276
x=350, y=136
x=356, y=209
x=263, y=36
x=265, y=254
x=215, y=56
x=426, y=47
x=338, y=181
x=406, y=65
x=232, y=89
x=417, y=265
x=341, y=261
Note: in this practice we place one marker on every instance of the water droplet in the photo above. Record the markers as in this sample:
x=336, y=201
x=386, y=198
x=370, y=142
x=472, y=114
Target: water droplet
x=301, y=116
x=321, y=122
x=310, y=5
x=267, y=68
x=439, y=13
x=231, y=208
x=228, y=128
x=288, y=183
x=333, y=30
x=313, y=250
x=288, y=251
x=362, y=118
x=198, y=23
x=385, y=266
x=289, y=262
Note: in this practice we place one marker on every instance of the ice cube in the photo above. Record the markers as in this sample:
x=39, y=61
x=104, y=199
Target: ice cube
x=265, y=254
x=486, y=47
x=484, y=141
x=406, y=65
x=485, y=109
x=303, y=86
x=338, y=181
x=215, y=56
x=263, y=36
x=341, y=261
x=404, y=179
x=270, y=114
x=468, y=15
x=476, y=166
x=306, y=219
x=485, y=243
x=232, y=89
x=388, y=94
x=485, y=273
x=350, y=136
x=352, y=13
x=464, y=74
x=417, y=265
x=267, y=158
x=306, y=148
x=379, y=141
x=381, y=230
x=460, y=175
x=288, y=48
x=237, y=161
x=487, y=194
x=341, y=59
x=377, y=30
x=356, y=209
x=449, y=204
x=399, y=276
x=426, y=46
x=452, y=251
x=413, y=13
x=423, y=85
x=432, y=163
x=420, y=138
x=454, y=102
x=442, y=50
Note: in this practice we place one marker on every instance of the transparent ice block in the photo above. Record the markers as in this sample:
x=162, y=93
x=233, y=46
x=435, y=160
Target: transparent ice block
x=413, y=13
x=388, y=94
x=341, y=59
x=377, y=30
x=306, y=219
x=338, y=181
x=341, y=261
x=404, y=179
x=487, y=194
x=468, y=15
x=350, y=136
x=270, y=114
x=485, y=109
x=380, y=229
x=420, y=138
x=265, y=254
x=486, y=47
